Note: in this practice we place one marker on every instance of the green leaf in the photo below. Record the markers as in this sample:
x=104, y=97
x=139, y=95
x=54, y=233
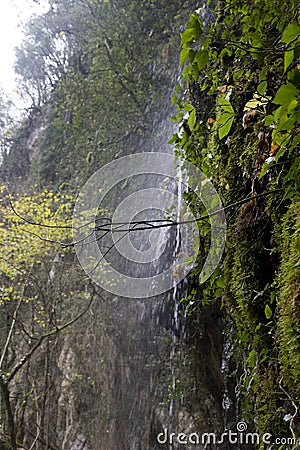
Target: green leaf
x=187, y=37
x=279, y=112
x=268, y=312
x=192, y=119
x=263, y=74
x=269, y=120
x=264, y=169
x=255, y=40
x=261, y=88
x=220, y=282
x=263, y=408
x=188, y=261
x=192, y=32
x=294, y=76
x=252, y=358
x=173, y=139
x=192, y=54
x=195, y=71
x=258, y=327
x=206, y=43
x=279, y=154
x=225, y=52
x=245, y=9
x=225, y=121
x=281, y=138
x=185, y=72
x=288, y=58
x=237, y=75
x=297, y=48
x=285, y=94
x=188, y=107
x=290, y=32
x=201, y=58
x=292, y=106
x=295, y=142
x=184, y=54
x=225, y=105
x=218, y=292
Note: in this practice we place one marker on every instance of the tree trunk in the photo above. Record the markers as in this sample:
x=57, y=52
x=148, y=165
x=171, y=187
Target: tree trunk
x=9, y=412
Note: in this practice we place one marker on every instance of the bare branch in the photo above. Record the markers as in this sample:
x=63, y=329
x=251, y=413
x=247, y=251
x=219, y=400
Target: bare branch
x=53, y=332
x=140, y=225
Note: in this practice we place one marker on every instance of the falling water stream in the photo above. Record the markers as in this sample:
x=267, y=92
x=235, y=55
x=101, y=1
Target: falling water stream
x=178, y=325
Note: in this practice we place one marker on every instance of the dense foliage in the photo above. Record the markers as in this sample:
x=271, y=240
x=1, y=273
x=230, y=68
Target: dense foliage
x=97, y=73
x=239, y=122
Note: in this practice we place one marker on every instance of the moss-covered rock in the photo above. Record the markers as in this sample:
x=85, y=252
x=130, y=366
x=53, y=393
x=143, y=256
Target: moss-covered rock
x=244, y=66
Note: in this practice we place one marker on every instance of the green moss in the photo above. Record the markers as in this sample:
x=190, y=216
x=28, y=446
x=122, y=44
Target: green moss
x=289, y=299
x=268, y=411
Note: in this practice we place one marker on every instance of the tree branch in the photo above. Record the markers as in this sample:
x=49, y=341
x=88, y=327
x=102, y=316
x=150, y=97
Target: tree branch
x=53, y=332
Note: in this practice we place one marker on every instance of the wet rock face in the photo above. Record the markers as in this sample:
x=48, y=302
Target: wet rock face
x=115, y=379
x=68, y=424
x=198, y=409
x=112, y=378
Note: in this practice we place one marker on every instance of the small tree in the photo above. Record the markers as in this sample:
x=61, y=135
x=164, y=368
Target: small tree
x=37, y=301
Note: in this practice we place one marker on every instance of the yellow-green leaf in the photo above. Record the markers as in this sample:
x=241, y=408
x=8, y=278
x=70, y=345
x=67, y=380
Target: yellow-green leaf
x=286, y=94
x=225, y=122
x=184, y=54
x=192, y=119
x=261, y=88
x=268, y=312
x=290, y=32
x=288, y=58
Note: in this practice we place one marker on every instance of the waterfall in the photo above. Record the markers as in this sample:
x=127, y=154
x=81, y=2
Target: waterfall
x=142, y=331
x=178, y=324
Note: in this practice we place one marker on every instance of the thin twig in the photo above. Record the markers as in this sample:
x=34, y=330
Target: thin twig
x=144, y=224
